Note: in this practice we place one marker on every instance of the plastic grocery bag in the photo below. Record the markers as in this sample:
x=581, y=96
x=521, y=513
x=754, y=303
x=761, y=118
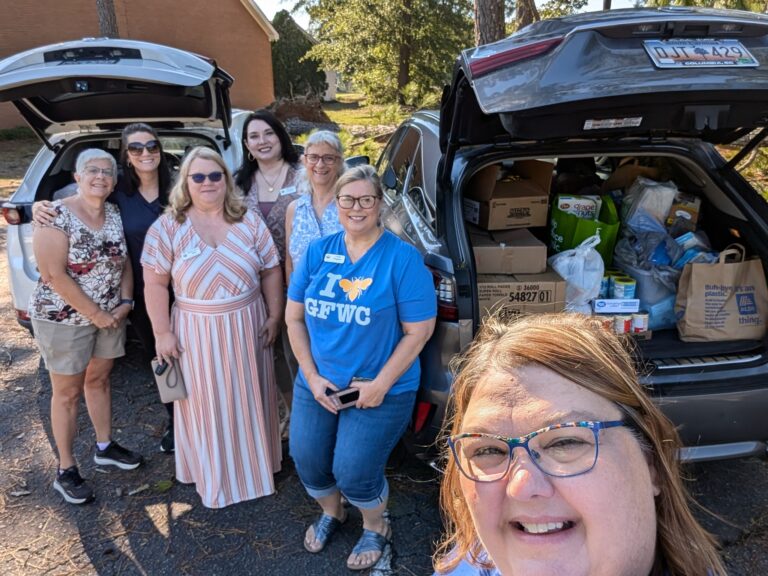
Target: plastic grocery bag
x=582, y=268
x=568, y=230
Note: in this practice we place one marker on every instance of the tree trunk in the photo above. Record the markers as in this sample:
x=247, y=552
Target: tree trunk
x=526, y=13
x=107, y=19
x=489, y=21
x=606, y=4
x=404, y=56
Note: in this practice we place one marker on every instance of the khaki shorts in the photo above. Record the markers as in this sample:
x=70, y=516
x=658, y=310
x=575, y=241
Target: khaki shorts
x=67, y=349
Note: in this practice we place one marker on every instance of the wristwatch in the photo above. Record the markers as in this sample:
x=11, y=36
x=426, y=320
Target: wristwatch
x=128, y=301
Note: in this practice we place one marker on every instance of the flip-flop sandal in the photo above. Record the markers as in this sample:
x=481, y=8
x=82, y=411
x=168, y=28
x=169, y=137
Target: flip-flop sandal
x=370, y=541
x=324, y=528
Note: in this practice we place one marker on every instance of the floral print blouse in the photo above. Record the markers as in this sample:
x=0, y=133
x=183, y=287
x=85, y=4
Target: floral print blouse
x=95, y=260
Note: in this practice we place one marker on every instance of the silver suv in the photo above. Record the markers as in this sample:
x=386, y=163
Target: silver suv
x=78, y=95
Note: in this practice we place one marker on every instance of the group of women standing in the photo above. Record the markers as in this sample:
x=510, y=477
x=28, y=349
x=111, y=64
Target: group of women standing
x=203, y=272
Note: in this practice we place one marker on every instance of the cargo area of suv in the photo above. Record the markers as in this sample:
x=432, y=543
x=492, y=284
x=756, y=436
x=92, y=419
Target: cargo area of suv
x=535, y=130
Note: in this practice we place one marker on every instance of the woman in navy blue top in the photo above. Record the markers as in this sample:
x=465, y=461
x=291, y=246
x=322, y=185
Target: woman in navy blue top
x=141, y=194
x=361, y=306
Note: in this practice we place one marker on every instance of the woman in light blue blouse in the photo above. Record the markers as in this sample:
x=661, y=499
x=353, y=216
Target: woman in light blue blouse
x=314, y=214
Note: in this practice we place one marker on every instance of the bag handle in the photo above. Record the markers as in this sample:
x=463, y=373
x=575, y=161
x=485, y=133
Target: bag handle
x=737, y=250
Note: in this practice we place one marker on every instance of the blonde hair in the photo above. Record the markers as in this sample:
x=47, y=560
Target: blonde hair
x=578, y=348
x=364, y=173
x=179, y=200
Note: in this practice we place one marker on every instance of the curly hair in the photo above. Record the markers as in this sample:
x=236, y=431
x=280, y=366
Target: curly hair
x=179, y=201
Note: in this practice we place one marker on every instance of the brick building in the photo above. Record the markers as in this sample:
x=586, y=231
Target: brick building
x=235, y=33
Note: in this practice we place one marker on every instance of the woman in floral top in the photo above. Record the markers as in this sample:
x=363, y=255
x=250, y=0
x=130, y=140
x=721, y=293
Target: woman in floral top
x=78, y=312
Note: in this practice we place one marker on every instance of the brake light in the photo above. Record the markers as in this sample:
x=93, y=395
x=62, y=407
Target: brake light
x=22, y=315
x=12, y=215
x=484, y=65
x=445, y=291
x=420, y=415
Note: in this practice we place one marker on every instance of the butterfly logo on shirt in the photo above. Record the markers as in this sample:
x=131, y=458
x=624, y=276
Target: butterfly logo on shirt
x=355, y=287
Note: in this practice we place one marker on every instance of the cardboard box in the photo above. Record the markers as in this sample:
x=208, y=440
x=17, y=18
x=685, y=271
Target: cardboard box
x=508, y=252
x=615, y=305
x=521, y=293
x=518, y=200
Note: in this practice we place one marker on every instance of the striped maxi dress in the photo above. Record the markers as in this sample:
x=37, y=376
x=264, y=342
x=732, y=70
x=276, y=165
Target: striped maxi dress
x=227, y=429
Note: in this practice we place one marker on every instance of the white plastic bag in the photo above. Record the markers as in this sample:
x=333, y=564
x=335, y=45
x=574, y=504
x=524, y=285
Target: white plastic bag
x=582, y=269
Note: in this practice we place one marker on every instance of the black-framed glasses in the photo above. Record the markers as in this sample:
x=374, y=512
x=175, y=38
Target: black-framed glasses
x=137, y=148
x=326, y=158
x=366, y=202
x=199, y=177
x=96, y=171
x=560, y=450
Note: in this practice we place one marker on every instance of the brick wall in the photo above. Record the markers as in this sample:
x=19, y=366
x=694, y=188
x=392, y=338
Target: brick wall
x=222, y=30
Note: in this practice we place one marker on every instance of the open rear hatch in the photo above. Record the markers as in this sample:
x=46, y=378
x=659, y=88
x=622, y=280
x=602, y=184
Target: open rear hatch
x=653, y=73
x=92, y=83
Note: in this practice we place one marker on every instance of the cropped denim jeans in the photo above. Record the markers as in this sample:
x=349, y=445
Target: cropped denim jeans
x=348, y=451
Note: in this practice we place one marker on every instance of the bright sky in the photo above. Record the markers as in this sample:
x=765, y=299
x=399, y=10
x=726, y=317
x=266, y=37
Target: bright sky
x=271, y=7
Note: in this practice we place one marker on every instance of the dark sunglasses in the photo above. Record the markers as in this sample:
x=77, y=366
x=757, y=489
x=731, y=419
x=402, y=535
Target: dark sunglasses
x=137, y=148
x=199, y=177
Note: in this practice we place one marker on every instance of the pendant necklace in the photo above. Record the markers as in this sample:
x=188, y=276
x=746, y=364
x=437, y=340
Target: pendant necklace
x=271, y=185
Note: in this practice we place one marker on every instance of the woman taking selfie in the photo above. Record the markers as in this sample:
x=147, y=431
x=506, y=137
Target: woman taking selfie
x=361, y=306
x=560, y=464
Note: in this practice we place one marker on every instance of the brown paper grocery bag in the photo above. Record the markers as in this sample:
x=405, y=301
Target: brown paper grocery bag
x=727, y=300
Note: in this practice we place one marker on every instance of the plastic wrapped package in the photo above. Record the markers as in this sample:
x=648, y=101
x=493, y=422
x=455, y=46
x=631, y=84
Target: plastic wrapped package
x=653, y=197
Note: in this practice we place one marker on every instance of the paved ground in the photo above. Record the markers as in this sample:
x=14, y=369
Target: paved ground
x=163, y=529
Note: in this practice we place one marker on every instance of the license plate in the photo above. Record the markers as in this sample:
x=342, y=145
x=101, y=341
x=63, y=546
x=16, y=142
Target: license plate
x=703, y=53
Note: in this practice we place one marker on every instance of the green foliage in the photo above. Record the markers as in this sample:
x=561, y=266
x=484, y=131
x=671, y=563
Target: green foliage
x=294, y=74
x=416, y=97
x=749, y=5
x=18, y=133
x=557, y=8
x=383, y=45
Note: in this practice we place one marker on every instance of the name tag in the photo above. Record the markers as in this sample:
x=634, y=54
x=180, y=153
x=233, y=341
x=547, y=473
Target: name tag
x=335, y=258
x=288, y=190
x=190, y=253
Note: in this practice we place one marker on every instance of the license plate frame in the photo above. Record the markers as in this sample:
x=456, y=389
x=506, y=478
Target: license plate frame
x=699, y=53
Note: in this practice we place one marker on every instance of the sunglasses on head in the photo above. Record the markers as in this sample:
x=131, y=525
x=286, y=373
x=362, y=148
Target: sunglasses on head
x=199, y=177
x=137, y=148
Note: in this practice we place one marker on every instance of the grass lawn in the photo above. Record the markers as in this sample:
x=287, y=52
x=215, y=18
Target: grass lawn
x=351, y=109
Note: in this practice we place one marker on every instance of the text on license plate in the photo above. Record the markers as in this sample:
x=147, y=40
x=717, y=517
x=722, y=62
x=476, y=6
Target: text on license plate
x=698, y=53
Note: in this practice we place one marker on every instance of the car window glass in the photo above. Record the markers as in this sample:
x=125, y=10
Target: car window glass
x=753, y=168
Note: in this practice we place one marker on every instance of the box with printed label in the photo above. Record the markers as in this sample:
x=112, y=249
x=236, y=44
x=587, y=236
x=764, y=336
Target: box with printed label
x=517, y=199
x=508, y=252
x=521, y=293
x=615, y=305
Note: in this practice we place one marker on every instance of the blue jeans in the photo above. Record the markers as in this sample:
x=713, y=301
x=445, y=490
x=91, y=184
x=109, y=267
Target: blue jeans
x=348, y=451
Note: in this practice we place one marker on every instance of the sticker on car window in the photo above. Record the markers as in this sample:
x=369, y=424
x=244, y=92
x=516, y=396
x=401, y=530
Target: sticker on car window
x=608, y=123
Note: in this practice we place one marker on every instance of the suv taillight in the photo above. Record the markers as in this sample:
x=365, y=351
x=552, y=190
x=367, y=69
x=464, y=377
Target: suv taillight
x=487, y=64
x=11, y=215
x=445, y=290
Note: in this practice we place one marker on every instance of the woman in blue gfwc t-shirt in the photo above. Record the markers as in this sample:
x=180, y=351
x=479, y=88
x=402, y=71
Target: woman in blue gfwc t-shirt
x=361, y=305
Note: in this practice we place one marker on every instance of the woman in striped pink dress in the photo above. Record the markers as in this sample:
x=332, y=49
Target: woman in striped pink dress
x=226, y=277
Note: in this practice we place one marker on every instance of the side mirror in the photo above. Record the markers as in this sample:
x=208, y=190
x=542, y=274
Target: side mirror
x=389, y=178
x=357, y=160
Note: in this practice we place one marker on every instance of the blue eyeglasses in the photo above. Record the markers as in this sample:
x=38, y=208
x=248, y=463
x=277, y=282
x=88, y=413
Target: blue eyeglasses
x=199, y=177
x=560, y=450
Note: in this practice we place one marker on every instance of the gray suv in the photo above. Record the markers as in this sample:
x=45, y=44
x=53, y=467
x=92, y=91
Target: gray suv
x=665, y=87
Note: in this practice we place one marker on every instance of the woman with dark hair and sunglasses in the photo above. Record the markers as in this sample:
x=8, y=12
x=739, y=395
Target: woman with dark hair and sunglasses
x=141, y=194
x=228, y=308
x=559, y=462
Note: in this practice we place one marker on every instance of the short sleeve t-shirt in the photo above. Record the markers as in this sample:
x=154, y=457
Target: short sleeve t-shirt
x=353, y=311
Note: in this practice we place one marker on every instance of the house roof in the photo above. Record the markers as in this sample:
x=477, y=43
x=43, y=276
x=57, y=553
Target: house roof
x=261, y=19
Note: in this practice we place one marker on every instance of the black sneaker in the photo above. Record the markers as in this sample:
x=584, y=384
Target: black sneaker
x=116, y=455
x=71, y=485
x=167, y=443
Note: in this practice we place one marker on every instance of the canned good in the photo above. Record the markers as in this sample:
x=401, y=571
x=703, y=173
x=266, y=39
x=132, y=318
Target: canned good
x=639, y=322
x=624, y=287
x=622, y=324
x=604, y=287
x=606, y=321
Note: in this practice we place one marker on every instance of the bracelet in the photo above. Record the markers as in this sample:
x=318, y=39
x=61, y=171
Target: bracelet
x=128, y=301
